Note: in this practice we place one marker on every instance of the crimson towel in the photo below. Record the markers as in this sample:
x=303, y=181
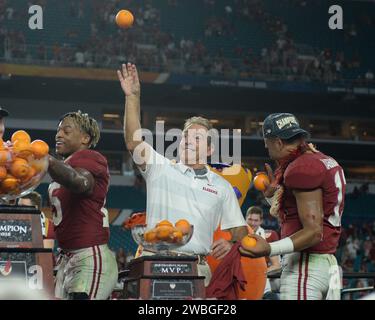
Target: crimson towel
x=227, y=277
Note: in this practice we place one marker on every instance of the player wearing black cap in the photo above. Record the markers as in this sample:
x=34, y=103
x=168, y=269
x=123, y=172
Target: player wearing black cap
x=307, y=192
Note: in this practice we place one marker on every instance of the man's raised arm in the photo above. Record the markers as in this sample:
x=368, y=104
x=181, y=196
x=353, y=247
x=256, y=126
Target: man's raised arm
x=130, y=84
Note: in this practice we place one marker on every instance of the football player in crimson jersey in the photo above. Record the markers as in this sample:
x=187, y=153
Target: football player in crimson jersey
x=87, y=269
x=307, y=193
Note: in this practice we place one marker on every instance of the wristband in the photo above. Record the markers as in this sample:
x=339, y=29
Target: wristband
x=283, y=246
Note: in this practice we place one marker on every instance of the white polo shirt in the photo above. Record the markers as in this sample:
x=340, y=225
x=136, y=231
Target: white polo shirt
x=174, y=192
x=261, y=232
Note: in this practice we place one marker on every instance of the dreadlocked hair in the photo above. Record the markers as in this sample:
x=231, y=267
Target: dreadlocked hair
x=86, y=124
x=279, y=174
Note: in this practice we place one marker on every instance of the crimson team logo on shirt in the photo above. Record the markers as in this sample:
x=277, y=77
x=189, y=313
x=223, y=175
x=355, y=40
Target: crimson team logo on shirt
x=209, y=190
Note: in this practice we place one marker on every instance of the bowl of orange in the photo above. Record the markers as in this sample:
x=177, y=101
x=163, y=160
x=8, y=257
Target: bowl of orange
x=164, y=235
x=23, y=164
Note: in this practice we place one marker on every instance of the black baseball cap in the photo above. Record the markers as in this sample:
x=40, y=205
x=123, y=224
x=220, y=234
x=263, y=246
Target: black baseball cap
x=283, y=126
x=3, y=112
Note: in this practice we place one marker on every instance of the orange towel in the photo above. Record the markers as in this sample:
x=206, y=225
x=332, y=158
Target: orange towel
x=134, y=220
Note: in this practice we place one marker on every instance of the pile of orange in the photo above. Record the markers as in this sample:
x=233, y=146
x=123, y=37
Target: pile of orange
x=20, y=161
x=166, y=231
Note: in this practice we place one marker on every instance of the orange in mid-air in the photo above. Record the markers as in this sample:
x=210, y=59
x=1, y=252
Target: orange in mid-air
x=39, y=148
x=183, y=225
x=21, y=135
x=260, y=180
x=248, y=242
x=124, y=19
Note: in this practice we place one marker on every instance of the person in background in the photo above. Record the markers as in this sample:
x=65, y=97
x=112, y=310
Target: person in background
x=254, y=218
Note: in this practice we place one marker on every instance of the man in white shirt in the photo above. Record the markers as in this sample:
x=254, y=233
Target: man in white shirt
x=186, y=189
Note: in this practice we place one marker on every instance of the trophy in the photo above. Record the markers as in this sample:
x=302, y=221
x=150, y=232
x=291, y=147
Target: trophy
x=23, y=259
x=162, y=272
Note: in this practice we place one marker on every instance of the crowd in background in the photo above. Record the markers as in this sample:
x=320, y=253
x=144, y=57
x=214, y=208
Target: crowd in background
x=357, y=254
x=156, y=50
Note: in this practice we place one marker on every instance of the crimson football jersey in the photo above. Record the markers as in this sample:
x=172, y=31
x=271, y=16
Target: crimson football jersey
x=48, y=229
x=308, y=172
x=272, y=236
x=81, y=221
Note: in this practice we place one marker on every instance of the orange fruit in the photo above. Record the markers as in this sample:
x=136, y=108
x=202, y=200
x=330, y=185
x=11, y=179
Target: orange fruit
x=184, y=226
x=39, y=148
x=30, y=175
x=38, y=165
x=20, y=168
x=124, y=19
x=3, y=173
x=259, y=181
x=5, y=156
x=22, y=149
x=164, y=232
x=248, y=242
x=164, y=223
x=21, y=135
x=2, y=144
x=9, y=184
x=150, y=236
x=177, y=236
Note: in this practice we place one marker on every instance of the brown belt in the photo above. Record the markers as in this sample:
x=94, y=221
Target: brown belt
x=202, y=259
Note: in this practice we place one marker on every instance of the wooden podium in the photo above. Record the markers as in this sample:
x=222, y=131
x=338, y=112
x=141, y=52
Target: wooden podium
x=23, y=260
x=162, y=277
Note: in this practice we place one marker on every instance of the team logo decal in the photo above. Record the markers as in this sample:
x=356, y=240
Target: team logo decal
x=6, y=268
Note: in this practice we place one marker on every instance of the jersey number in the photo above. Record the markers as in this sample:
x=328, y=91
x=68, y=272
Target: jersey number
x=57, y=211
x=56, y=204
x=335, y=219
